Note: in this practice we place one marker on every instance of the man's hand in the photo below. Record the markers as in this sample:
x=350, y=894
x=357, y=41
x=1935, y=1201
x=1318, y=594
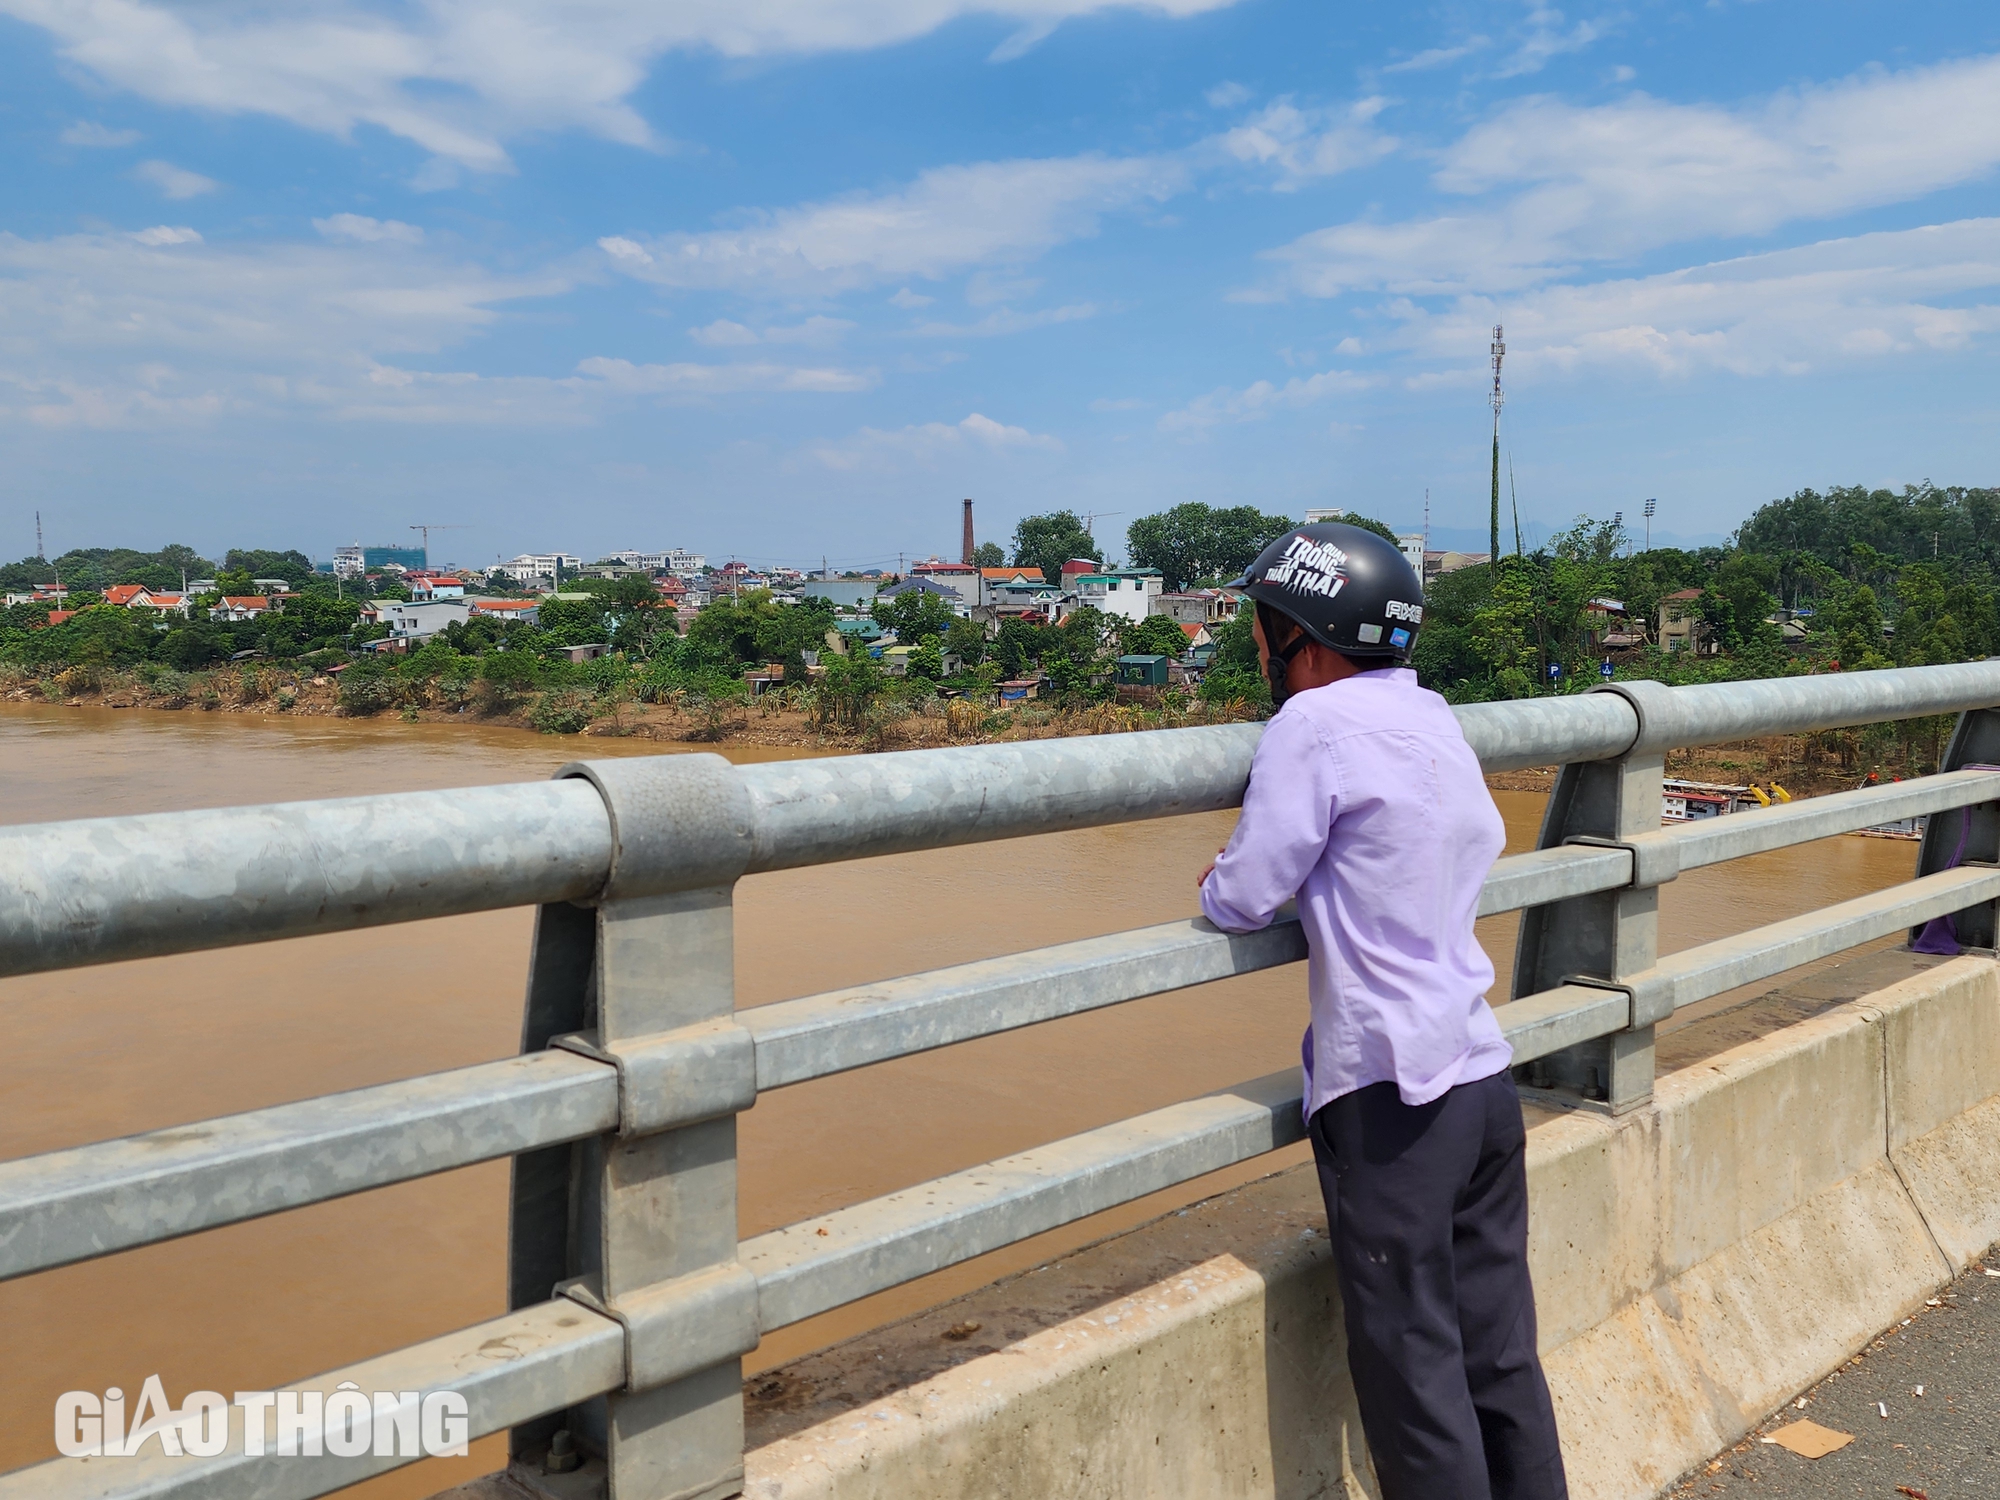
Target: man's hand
x=1202, y=879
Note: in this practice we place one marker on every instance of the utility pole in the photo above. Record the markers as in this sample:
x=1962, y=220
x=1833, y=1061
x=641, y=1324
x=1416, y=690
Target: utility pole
x=1493, y=527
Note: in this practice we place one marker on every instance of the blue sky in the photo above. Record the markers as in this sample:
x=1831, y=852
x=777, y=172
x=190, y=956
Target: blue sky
x=787, y=278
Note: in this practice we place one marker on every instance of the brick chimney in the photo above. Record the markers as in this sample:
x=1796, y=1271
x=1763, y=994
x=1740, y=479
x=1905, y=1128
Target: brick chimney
x=967, y=559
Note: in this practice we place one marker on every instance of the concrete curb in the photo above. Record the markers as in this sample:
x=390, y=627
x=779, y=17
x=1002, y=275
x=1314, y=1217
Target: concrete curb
x=1697, y=1263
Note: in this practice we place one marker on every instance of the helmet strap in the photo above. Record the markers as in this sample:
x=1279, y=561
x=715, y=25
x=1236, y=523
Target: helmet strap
x=1277, y=658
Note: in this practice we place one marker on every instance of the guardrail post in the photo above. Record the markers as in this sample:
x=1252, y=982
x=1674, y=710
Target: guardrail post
x=1601, y=937
x=1970, y=835
x=613, y=1219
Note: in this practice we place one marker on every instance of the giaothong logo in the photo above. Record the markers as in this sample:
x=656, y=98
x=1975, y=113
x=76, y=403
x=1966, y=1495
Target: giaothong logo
x=345, y=1422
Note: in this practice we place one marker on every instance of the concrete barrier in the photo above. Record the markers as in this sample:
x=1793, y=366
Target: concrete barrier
x=1697, y=1263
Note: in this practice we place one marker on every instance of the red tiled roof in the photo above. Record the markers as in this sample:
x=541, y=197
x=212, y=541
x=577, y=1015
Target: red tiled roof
x=123, y=593
x=1191, y=631
x=245, y=601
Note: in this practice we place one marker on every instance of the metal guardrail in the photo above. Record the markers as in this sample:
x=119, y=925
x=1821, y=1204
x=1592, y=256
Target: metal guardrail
x=633, y=1299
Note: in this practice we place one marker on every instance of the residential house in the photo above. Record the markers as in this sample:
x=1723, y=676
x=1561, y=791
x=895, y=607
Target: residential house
x=1197, y=635
x=1074, y=569
x=239, y=607
x=1020, y=689
x=1126, y=592
x=417, y=621
x=1142, y=671
x=1607, y=627
x=423, y=586
x=525, y=611
x=962, y=578
x=1681, y=626
x=57, y=616
x=921, y=585
x=585, y=653
x=273, y=586
x=992, y=579
x=1450, y=562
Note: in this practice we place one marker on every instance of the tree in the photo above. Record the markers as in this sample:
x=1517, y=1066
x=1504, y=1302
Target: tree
x=1047, y=542
x=966, y=641
x=988, y=555
x=913, y=614
x=1156, y=635
x=927, y=660
x=1194, y=541
x=294, y=567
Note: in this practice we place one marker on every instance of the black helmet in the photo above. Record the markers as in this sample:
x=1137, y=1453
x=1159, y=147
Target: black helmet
x=1345, y=587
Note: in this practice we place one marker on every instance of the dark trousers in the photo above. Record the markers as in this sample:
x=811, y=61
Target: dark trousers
x=1428, y=1210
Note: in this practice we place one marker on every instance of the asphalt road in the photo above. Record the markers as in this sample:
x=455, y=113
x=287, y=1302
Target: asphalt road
x=1942, y=1445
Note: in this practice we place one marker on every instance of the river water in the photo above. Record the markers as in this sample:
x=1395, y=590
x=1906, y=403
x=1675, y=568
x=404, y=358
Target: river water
x=130, y=1047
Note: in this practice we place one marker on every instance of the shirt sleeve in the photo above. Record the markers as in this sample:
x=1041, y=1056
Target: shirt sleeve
x=1288, y=810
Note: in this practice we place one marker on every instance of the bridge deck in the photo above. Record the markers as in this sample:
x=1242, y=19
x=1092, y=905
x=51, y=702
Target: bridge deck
x=1942, y=1444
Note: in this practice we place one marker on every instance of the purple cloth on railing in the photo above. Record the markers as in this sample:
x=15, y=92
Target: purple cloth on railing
x=1940, y=934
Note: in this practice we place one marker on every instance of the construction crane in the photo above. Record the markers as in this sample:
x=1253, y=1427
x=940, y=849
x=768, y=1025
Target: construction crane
x=427, y=530
x=1090, y=520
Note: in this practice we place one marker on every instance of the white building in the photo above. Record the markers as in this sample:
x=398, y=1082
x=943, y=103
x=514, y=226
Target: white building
x=538, y=567
x=349, y=562
x=1126, y=592
x=672, y=560
x=418, y=621
x=1412, y=545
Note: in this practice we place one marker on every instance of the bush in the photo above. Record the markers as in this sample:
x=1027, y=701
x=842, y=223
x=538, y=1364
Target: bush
x=563, y=711
x=366, y=689
x=170, y=688
x=1234, y=684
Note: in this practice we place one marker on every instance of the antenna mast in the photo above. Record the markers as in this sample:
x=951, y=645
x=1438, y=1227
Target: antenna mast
x=40, y=551
x=1499, y=399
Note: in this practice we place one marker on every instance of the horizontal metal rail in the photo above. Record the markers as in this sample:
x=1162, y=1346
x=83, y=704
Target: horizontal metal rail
x=65, y=1206
x=97, y=1199
x=511, y=1369
x=106, y=889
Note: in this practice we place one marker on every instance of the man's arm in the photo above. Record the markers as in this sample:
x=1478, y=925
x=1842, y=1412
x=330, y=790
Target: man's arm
x=1287, y=811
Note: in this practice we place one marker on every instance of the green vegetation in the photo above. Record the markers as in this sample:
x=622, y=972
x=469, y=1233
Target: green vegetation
x=1869, y=579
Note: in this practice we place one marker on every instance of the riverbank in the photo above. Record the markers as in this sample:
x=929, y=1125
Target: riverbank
x=1804, y=765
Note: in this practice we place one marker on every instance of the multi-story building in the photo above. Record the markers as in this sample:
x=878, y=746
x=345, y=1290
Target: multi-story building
x=1126, y=592
x=538, y=567
x=348, y=562
x=961, y=578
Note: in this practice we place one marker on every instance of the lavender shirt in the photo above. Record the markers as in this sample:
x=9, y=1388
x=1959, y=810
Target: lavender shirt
x=1367, y=803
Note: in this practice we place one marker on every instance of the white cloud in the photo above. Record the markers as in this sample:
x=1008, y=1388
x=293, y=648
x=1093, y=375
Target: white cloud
x=364, y=230
x=1227, y=96
x=948, y=219
x=1118, y=403
x=459, y=79
x=873, y=447
x=1005, y=320
x=1593, y=183
x=627, y=378
x=1872, y=296
x=1546, y=39
x=909, y=301
x=237, y=329
x=173, y=181
x=1305, y=143
x=167, y=234
x=90, y=133
x=816, y=330
x=1262, y=399
x=1435, y=57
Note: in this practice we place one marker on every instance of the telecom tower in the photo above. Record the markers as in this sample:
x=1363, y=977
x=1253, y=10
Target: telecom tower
x=1493, y=530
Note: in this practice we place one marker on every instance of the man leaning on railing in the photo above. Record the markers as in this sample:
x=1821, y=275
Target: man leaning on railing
x=1367, y=804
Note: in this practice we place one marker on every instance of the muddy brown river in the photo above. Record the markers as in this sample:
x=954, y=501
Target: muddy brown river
x=109, y=1051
